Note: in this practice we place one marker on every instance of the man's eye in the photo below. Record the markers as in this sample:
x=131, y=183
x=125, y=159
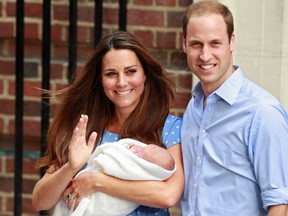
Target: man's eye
x=216, y=43
x=195, y=44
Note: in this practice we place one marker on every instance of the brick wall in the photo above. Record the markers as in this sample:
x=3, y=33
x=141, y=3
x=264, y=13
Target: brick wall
x=157, y=23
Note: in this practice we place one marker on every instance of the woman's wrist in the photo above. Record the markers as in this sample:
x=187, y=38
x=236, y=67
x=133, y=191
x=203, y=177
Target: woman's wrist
x=69, y=169
x=100, y=182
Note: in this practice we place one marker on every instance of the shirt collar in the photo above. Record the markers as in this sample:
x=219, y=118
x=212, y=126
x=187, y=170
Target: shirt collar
x=229, y=90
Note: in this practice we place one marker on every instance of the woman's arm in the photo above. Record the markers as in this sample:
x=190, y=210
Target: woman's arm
x=278, y=210
x=160, y=194
x=49, y=188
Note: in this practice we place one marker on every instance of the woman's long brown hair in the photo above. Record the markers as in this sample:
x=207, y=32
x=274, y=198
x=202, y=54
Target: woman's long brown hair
x=86, y=96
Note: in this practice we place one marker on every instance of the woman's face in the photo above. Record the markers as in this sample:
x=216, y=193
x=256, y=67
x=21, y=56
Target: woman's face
x=123, y=78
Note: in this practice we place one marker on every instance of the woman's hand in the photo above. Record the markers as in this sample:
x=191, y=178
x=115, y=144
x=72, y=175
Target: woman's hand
x=50, y=187
x=79, y=150
x=80, y=187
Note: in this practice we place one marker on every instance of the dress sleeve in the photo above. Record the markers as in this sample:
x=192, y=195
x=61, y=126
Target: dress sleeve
x=171, y=131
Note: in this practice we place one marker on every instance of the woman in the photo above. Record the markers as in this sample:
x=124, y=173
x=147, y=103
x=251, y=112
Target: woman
x=126, y=94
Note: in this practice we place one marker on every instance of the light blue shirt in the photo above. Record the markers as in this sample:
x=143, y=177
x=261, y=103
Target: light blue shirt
x=170, y=136
x=235, y=151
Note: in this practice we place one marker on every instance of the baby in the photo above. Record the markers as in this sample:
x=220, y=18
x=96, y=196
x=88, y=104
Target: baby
x=127, y=159
x=154, y=154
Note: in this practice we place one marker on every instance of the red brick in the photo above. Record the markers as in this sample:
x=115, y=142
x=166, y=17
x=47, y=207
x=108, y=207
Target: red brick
x=11, y=9
x=110, y=16
x=145, y=18
x=32, y=128
x=85, y=13
x=58, y=33
x=145, y=37
x=11, y=127
x=10, y=49
x=6, y=183
x=27, y=206
x=28, y=185
x=1, y=204
x=185, y=3
x=1, y=132
x=178, y=60
x=10, y=204
x=7, y=30
x=168, y=3
x=61, y=12
x=7, y=106
x=10, y=164
x=1, y=86
x=161, y=55
x=174, y=19
x=7, y=67
x=31, y=31
x=182, y=100
x=33, y=10
x=60, y=86
x=184, y=81
x=83, y=33
x=33, y=49
x=56, y=71
x=60, y=51
x=84, y=53
x=142, y=2
x=32, y=108
x=166, y=40
x=29, y=167
x=32, y=89
x=11, y=87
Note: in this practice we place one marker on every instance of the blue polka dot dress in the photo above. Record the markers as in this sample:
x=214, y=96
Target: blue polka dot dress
x=170, y=137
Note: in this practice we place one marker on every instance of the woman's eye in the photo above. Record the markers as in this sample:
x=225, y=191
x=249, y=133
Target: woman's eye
x=131, y=71
x=110, y=74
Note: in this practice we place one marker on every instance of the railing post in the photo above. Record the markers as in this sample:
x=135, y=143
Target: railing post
x=98, y=13
x=72, y=39
x=19, y=108
x=46, y=51
x=122, y=15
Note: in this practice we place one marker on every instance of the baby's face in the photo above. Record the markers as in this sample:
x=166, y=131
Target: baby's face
x=135, y=149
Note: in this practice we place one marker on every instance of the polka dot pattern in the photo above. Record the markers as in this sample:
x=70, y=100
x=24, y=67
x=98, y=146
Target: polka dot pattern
x=170, y=134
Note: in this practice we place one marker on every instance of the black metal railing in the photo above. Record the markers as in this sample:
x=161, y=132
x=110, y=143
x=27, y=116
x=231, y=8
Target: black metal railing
x=19, y=107
x=46, y=42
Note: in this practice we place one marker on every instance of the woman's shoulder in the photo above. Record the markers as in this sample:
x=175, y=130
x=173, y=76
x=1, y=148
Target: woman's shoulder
x=171, y=130
x=172, y=119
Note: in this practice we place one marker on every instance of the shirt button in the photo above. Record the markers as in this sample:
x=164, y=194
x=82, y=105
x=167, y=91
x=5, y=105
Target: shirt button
x=195, y=185
x=203, y=131
x=199, y=158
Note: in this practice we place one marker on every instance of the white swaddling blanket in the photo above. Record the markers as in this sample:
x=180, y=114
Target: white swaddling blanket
x=116, y=160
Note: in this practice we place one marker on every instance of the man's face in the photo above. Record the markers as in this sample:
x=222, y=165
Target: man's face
x=209, y=50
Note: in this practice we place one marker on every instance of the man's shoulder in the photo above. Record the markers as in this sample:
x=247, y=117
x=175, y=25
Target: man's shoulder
x=256, y=94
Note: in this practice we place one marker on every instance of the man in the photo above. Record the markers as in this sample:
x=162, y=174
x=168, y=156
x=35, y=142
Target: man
x=234, y=133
